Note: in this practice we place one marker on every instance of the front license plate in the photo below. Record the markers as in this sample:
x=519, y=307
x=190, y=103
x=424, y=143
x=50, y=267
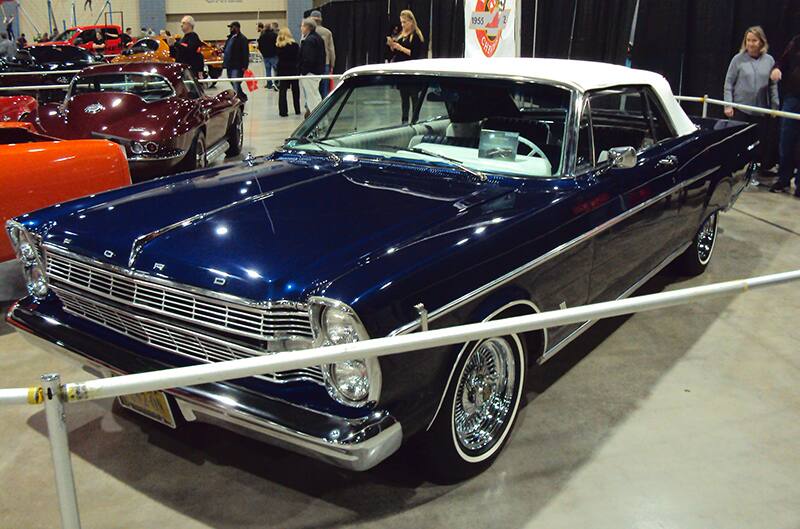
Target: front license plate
x=152, y=404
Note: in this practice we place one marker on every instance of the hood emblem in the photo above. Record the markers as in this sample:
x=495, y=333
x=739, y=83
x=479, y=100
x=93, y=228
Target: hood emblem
x=109, y=254
x=94, y=108
x=219, y=281
x=158, y=266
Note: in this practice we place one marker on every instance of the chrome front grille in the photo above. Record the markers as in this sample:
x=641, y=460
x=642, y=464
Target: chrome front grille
x=269, y=321
x=172, y=338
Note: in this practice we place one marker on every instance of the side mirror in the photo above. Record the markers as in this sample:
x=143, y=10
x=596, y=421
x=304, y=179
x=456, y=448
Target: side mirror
x=622, y=157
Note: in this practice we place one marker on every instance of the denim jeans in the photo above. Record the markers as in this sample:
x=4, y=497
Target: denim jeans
x=270, y=69
x=325, y=84
x=237, y=85
x=790, y=133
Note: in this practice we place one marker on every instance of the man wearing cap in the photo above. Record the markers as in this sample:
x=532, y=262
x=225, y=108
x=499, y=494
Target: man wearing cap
x=330, y=52
x=236, y=57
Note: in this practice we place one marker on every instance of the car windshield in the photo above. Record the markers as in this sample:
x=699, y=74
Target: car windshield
x=484, y=125
x=150, y=87
x=65, y=35
x=142, y=46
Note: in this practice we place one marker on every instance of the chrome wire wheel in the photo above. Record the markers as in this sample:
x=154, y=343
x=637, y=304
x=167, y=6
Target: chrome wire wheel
x=485, y=399
x=705, y=239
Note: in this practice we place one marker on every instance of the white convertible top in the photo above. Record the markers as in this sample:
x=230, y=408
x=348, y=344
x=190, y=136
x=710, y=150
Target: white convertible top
x=578, y=75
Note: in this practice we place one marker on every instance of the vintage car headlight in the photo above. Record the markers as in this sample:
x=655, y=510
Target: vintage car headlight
x=29, y=254
x=352, y=382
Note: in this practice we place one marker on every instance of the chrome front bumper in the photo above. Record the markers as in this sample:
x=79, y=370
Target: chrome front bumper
x=375, y=439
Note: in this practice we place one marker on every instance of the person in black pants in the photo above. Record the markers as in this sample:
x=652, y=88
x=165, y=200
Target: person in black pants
x=408, y=45
x=288, y=56
x=236, y=57
x=787, y=71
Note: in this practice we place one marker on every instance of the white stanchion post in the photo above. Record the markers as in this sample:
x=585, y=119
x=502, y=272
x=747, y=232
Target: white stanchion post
x=59, y=446
x=705, y=105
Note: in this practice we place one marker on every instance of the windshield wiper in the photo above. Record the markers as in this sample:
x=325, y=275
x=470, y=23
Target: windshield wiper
x=457, y=163
x=319, y=144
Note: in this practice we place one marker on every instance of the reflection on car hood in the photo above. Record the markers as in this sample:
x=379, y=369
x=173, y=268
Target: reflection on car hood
x=274, y=231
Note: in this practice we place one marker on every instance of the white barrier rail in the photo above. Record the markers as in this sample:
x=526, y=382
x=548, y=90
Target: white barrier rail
x=705, y=100
x=53, y=394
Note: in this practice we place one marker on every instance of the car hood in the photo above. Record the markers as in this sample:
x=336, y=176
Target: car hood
x=113, y=114
x=278, y=230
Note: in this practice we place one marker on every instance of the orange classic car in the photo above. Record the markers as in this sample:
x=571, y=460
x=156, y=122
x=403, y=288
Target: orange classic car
x=40, y=171
x=158, y=49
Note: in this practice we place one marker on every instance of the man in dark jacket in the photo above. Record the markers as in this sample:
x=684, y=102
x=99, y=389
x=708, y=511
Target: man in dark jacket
x=266, y=45
x=787, y=71
x=187, y=50
x=312, y=62
x=236, y=57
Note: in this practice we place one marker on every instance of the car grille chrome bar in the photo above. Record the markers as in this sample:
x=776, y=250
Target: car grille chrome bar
x=173, y=338
x=271, y=321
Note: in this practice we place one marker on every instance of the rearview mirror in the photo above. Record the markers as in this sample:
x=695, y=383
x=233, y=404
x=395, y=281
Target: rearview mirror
x=622, y=157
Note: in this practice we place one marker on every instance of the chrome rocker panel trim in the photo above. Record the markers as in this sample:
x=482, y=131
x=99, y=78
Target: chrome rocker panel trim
x=364, y=450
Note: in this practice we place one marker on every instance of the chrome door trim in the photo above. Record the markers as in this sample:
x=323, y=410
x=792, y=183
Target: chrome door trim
x=555, y=252
x=585, y=326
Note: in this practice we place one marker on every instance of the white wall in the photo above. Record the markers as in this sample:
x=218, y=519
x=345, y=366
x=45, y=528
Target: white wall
x=213, y=16
x=62, y=10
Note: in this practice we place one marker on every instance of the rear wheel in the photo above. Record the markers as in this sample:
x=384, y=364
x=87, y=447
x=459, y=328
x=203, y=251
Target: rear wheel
x=695, y=259
x=479, y=409
x=197, y=157
x=235, y=136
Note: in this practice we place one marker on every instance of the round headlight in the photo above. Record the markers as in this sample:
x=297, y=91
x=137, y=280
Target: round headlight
x=340, y=327
x=152, y=147
x=137, y=148
x=32, y=264
x=351, y=379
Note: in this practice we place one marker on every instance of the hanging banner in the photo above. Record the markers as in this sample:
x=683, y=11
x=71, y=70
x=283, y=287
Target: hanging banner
x=490, y=28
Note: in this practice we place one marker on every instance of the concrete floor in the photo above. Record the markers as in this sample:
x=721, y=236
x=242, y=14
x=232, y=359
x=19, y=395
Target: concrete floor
x=686, y=417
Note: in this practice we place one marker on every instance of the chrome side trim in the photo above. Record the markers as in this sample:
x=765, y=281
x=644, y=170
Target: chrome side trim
x=585, y=326
x=217, y=150
x=464, y=347
x=555, y=252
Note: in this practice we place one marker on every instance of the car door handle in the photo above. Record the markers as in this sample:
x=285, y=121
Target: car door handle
x=668, y=161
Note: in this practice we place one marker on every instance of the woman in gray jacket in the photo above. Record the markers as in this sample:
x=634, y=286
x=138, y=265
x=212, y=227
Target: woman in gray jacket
x=747, y=82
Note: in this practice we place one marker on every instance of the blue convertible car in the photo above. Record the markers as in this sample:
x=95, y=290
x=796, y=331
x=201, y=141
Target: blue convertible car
x=419, y=193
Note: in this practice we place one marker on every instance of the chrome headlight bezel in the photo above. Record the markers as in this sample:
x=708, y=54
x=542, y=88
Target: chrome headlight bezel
x=324, y=313
x=28, y=248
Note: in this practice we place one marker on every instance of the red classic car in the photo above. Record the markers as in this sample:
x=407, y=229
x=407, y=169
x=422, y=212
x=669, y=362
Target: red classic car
x=157, y=111
x=17, y=108
x=39, y=171
x=83, y=36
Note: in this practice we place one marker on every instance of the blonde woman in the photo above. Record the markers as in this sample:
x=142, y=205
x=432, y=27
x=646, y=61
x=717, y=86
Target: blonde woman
x=747, y=82
x=288, y=53
x=407, y=45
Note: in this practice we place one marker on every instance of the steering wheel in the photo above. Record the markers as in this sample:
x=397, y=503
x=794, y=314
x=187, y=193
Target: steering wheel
x=535, y=150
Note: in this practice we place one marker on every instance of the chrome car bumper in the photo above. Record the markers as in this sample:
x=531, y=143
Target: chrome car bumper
x=365, y=444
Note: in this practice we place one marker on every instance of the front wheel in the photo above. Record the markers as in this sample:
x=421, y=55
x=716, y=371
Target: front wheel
x=695, y=259
x=479, y=410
